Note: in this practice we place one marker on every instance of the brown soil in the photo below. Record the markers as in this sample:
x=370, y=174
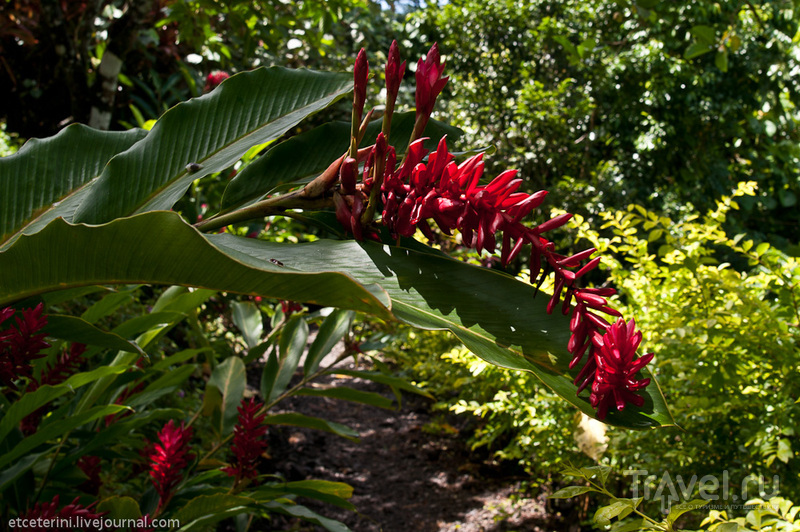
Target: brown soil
x=410, y=471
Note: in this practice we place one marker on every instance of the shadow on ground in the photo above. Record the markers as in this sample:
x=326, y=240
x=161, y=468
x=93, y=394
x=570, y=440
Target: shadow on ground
x=409, y=473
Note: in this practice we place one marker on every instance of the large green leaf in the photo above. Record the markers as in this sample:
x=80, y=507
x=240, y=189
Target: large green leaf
x=230, y=379
x=206, y=135
x=36, y=181
x=247, y=318
x=330, y=333
x=294, y=337
x=305, y=156
x=159, y=247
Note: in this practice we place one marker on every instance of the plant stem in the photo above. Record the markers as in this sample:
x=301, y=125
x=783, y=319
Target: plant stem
x=268, y=207
x=607, y=493
x=50, y=468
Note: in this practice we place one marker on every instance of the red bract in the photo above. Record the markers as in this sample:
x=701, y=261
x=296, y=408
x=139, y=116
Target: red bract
x=248, y=441
x=615, y=381
x=167, y=458
x=74, y=513
x=21, y=344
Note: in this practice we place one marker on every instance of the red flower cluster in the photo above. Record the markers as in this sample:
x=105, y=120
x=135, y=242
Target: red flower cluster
x=450, y=195
x=214, y=79
x=248, y=441
x=21, y=344
x=49, y=510
x=290, y=307
x=615, y=379
x=66, y=365
x=167, y=459
x=90, y=465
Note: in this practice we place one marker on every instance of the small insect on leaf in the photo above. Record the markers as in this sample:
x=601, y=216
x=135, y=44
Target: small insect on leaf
x=193, y=167
x=276, y=261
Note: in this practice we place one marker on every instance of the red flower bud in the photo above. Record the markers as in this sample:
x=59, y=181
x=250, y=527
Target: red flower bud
x=429, y=81
x=360, y=73
x=394, y=74
x=347, y=175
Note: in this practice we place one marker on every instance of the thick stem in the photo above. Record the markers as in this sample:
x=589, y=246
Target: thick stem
x=267, y=207
x=386, y=126
x=372, y=204
x=419, y=127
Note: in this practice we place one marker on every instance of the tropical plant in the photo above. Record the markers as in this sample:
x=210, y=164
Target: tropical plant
x=772, y=515
x=87, y=208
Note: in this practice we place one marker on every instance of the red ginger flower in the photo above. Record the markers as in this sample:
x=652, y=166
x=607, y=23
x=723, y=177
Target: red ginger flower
x=615, y=381
x=73, y=512
x=248, y=441
x=167, y=459
x=451, y=196
x=21, y=344
x=214, y=79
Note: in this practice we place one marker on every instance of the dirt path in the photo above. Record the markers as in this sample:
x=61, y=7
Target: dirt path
x=407, y=475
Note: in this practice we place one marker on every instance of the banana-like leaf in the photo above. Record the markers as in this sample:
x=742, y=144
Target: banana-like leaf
x=37, y=181
x=206, y=135
x=161, y=248
x=495, y=315
x=305, y=156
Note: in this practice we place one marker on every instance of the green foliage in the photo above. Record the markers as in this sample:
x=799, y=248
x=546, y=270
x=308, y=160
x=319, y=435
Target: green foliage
x=657, y=103
x=773, y=515
x=515, y=419
x=75, y=223
x=725, y=339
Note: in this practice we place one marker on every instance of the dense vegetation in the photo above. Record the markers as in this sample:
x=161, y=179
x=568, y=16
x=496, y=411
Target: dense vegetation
x=671, y=127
